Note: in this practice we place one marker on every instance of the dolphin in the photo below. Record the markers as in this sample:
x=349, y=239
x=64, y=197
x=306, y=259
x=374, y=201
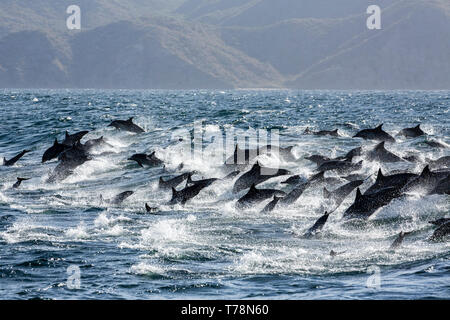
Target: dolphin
x=65, y=168
x=149, y=160
x=442, y=187
x=243, y=157
x=284, y=152
x=356, y=152
x=75, y=153
x=188, y=193
x=271, y=205
x=54, y=151
x=118, y=199
x=95, y=143
x=341, y=166
x=440, y=222
x=366, y=205
x=412, y=132
x=317, y=227
x=318, y=159
x=71, y=139
x=150, y=209
x=293, y=196
x=255, y=196
x=380, y=154
x=427, y=181
x=319, y=178
x=19, y=181
x=441, y=163
x=294, y=180
x=256, y=175
x=174, y=182
x=126, y=125
x=396, y=180
x=206, y=182
x=436, y=144
x=375, y=134
x=441, y=233
x=399, y=240
x=334, y=253
x=339, y=195
x=333, y=133
x=13, y=160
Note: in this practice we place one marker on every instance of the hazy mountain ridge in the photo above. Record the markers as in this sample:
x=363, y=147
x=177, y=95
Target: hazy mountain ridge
x=225, y=44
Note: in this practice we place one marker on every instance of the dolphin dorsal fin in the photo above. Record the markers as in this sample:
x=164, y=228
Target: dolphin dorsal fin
x=174, y=192
x=380, y=175
x=326, y=193
x=426, y=172
x=161, y=181
x=147, y=207
x=56, y=142
x=335, y=131
x=253, y=188
x=256, y=165
x=379, y=128
x=380, y=146
x=417, y=127
x=130, y=120
x=358, y=195
x=189, y=179
x=67, y=134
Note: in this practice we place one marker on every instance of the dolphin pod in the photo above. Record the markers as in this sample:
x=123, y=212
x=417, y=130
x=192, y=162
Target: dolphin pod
x=248, y=173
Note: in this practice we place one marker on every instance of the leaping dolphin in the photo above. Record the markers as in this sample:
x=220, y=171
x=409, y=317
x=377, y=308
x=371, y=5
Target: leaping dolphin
x=174, y=182
x=333, y=133
x=126, y=125
x=257, y=175
x=317, y=227
x=366, y=205
x=71, y=139
x=118, y=199
x=149, y=160
x=375, y=134
x=255, y=196
x=54, y=151
x=412, y=132
x=341, y=166
x=396, y=180
x=13, y=160
x=339, y=195
x=380, y=154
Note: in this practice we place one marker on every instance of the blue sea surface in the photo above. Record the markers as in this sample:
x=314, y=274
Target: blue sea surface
x=208, y=249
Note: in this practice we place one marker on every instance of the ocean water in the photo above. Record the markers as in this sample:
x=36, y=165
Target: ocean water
x=207, y=249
